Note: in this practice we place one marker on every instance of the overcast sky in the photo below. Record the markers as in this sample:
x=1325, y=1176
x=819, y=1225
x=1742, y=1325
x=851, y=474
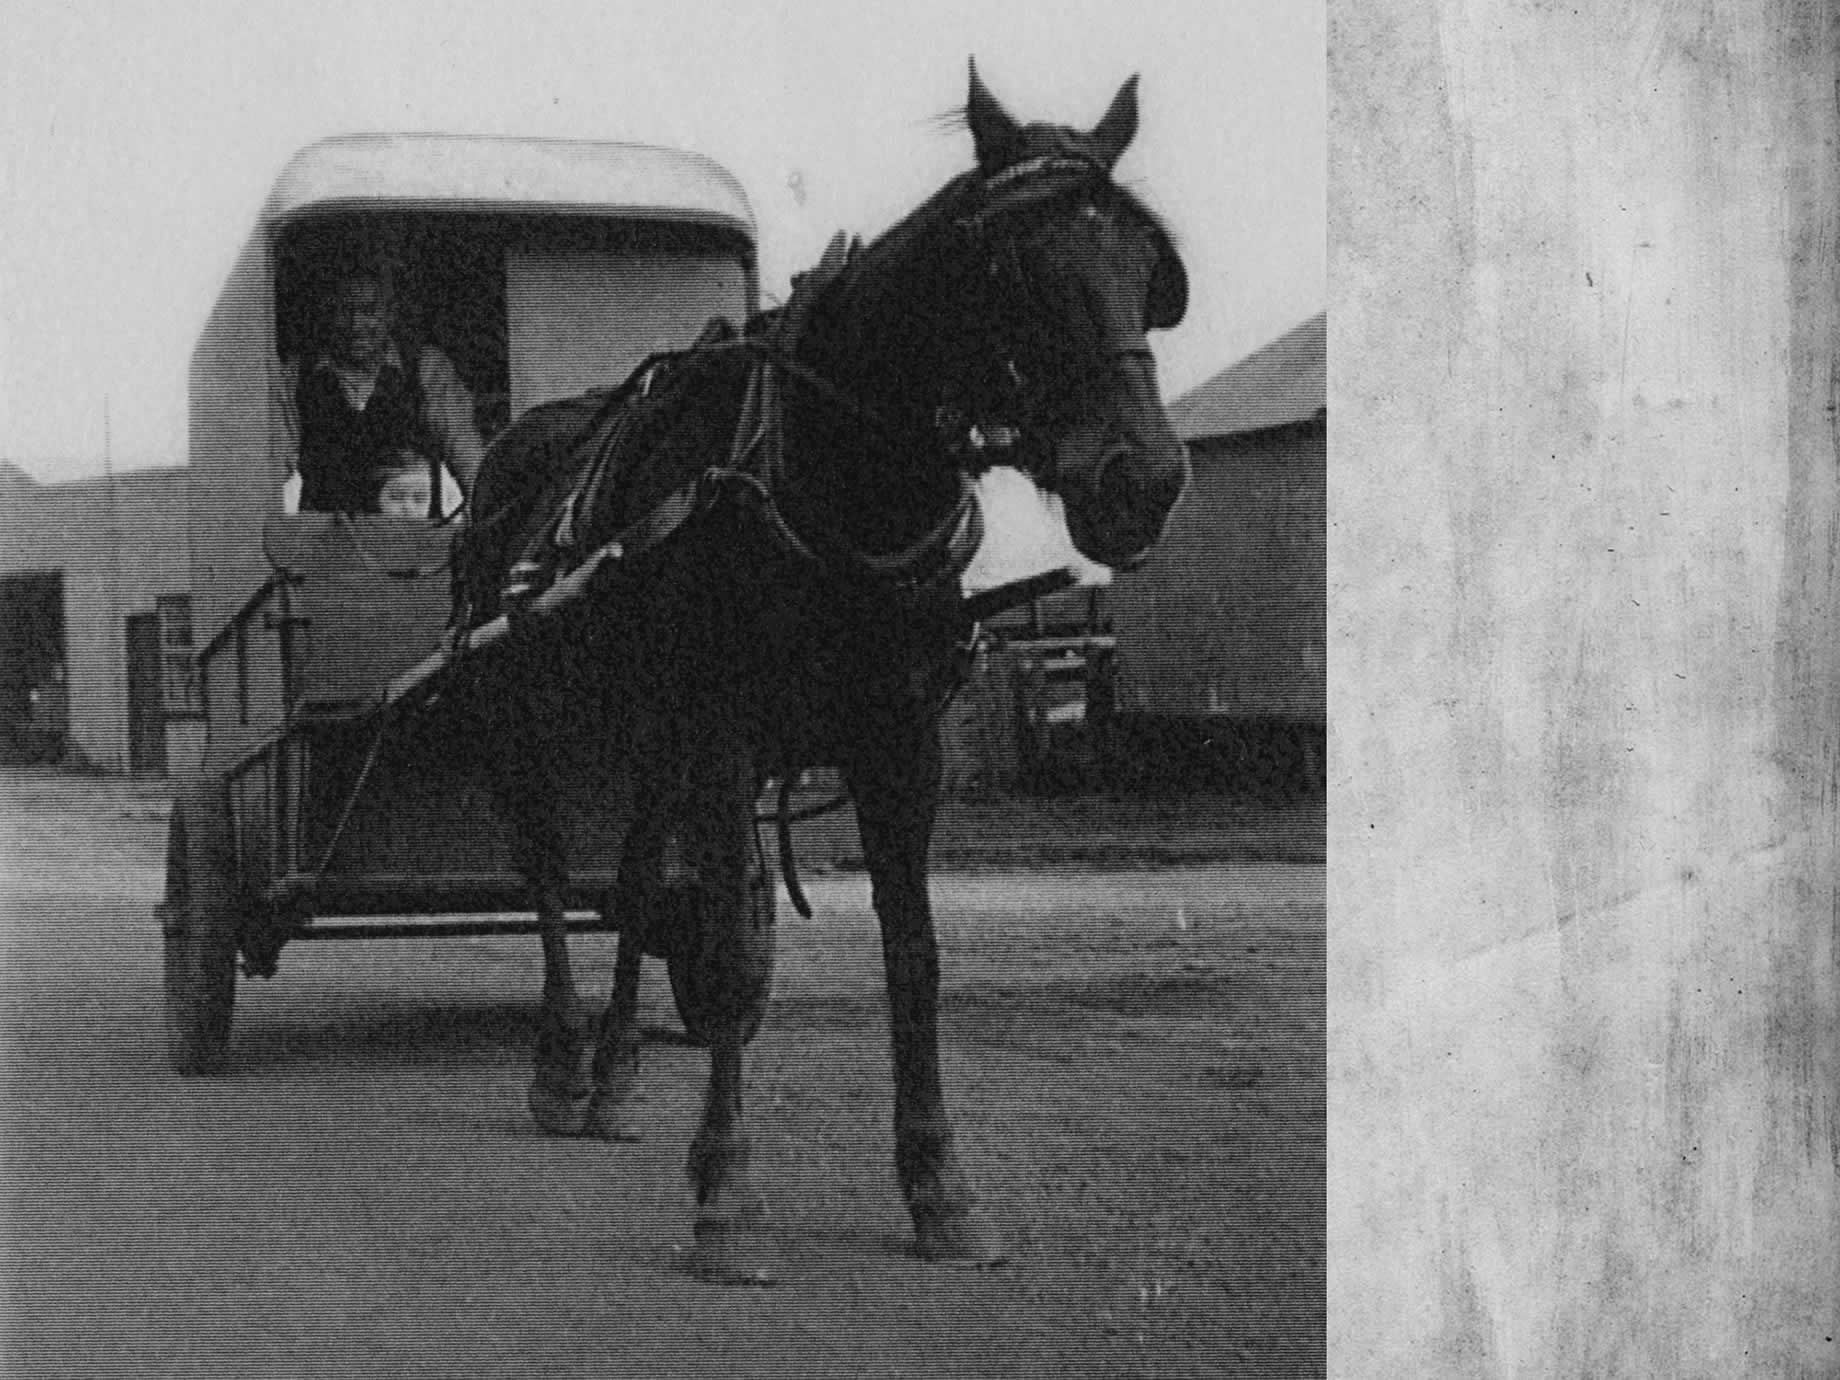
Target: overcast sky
x=138, y=141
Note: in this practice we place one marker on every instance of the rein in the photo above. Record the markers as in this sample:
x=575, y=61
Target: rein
x=756, y=476
x=756, y=473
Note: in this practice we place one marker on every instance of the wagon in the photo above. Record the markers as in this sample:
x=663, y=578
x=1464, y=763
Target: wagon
x=330, y=803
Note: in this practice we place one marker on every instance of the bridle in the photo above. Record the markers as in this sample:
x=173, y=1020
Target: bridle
x=984, y=219
x=1026, y=397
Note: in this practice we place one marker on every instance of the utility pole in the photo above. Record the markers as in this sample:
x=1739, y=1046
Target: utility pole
x=118, y=628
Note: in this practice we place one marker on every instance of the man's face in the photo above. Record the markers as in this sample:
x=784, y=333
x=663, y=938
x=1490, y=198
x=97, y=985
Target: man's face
x=360, y=321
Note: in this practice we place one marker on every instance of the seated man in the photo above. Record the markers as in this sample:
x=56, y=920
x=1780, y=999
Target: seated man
x=368, y=395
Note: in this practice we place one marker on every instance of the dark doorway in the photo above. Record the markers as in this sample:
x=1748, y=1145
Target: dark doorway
x=146, y=709
x=34, y=699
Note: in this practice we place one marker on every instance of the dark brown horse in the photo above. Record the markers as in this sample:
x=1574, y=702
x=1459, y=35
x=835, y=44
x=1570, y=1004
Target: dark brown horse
x=770, y=531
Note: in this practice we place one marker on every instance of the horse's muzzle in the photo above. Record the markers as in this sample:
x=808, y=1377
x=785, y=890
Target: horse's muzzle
x=1118, y=514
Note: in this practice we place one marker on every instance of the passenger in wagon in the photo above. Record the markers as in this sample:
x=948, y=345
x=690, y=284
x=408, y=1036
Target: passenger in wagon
x=367, y=396
x=401, y=487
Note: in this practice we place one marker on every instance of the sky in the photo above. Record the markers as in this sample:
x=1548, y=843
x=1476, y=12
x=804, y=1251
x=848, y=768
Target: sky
x=138, y=140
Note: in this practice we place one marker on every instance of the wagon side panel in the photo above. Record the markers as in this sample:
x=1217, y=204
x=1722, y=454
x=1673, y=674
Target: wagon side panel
x=581, y=319
x=236, y=460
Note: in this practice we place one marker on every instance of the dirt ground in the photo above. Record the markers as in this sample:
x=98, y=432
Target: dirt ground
x=1134, y=1055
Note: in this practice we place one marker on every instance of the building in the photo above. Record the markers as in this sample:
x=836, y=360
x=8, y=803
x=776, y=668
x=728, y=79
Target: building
x=95, y=622
x=1228, y=616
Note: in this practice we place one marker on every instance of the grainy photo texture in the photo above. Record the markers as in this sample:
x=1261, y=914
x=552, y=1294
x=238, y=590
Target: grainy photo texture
x=1583, y=681
x=663, y=690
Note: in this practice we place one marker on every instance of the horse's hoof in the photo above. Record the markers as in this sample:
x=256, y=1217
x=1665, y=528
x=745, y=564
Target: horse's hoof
x=557, y=1112
x=614, y=1121
x=962, y=1239
x=728, y=1253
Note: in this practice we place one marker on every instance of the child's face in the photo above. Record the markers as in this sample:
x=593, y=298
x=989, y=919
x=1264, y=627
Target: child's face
x=404, y=495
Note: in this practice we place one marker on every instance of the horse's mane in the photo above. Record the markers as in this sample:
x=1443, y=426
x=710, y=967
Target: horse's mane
x=878, y=261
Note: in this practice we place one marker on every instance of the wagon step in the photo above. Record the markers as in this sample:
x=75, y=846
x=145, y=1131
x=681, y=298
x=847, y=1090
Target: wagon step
x=482, y=927
x=400, y=894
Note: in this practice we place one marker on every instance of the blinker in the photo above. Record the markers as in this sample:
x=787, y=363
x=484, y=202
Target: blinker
x=1167, y=301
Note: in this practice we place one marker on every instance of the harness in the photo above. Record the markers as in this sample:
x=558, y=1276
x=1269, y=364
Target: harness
x=754, y=476
x=558, y=565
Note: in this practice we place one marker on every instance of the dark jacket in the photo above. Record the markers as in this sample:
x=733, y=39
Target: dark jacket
x=342, y=448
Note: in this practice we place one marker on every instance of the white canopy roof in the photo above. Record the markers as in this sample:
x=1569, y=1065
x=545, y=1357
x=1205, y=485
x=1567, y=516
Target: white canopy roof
x=459, y=172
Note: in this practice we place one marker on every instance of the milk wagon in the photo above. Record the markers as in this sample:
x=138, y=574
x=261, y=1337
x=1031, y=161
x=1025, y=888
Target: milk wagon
x=328, y=804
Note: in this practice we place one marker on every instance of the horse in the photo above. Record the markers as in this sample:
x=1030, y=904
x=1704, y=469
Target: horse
x=769, y=529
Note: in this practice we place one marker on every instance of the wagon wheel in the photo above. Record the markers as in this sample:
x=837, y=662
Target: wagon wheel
x=702, y=993
x=200, y=918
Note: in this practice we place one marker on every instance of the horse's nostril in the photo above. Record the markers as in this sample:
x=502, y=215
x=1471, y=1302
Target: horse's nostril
x=1118, y=479
x=1140, y=479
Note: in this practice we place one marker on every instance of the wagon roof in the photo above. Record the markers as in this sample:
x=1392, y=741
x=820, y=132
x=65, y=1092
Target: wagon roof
x=473, y=173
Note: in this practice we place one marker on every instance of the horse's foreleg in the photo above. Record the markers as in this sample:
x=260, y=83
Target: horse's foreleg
x=734, y=1244
x=896, y=805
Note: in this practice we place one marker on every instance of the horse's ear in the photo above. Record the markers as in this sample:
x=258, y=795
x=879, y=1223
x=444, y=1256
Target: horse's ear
x=993, y=129
x=1112, y=134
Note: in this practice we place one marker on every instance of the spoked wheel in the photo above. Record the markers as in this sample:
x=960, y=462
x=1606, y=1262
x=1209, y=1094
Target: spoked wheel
x=200, y=918
x=705, y=994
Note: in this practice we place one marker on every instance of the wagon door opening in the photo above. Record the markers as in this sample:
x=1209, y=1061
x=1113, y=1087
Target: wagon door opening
x=34, y=702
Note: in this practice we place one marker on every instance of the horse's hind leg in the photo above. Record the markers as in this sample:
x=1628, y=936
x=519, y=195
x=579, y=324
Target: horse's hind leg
x=896, y=800
x=559, y=1081
x=615, y=1077
x=635, y=910
x=526, y=766
x=655, y=767
x=733, y=1242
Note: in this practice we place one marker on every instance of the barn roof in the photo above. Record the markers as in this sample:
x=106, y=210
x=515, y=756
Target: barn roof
x=1285, y=382
x=461, y=172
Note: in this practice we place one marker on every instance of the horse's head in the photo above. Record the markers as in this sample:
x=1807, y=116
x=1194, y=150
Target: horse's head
x=1074, y=271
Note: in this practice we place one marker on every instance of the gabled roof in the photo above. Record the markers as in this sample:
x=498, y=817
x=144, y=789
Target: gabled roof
x=458, y=172
x=1285, y=382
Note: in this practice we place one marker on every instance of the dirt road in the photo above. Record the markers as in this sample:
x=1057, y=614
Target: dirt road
x=1135, y=1060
